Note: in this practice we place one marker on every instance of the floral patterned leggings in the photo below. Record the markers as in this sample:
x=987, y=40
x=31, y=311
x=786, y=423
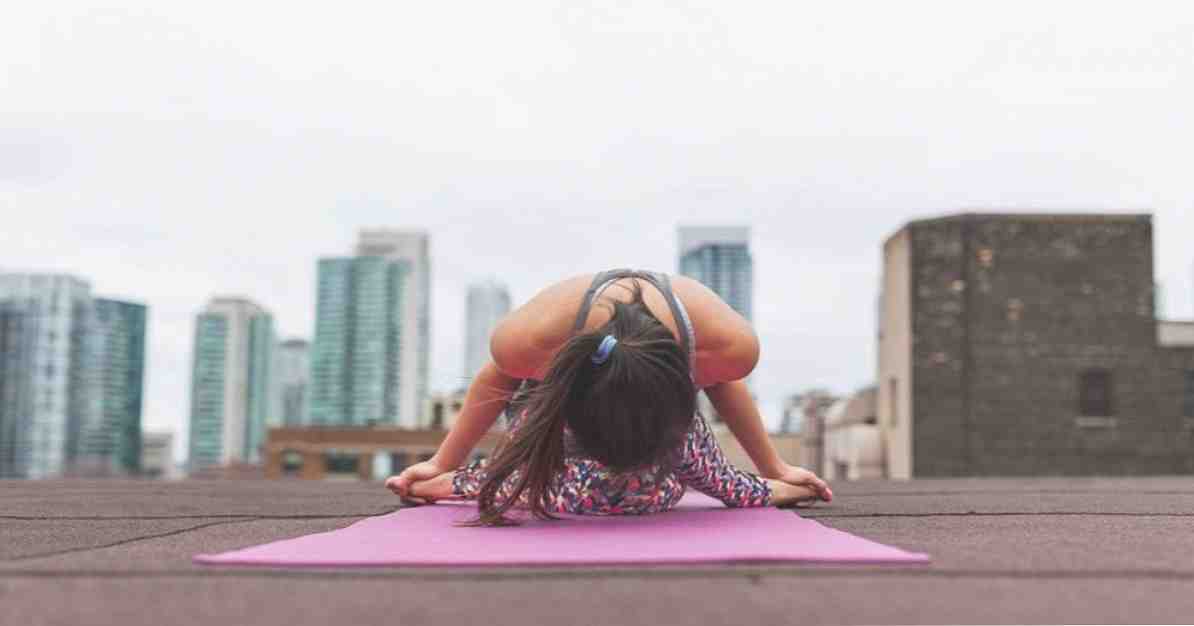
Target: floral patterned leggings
x=586, y=486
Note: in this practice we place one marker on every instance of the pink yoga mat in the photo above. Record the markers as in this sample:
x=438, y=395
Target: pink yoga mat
x=699, y=530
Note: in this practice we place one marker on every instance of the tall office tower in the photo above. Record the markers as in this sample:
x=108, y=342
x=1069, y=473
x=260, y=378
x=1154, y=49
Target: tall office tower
x=231, y=382
x=486, y=304
x=110, y=373
x=71, y=370
x=294, y=366
x=360, y=370
x=414, y=248
x=38, y=403
x=719, y=257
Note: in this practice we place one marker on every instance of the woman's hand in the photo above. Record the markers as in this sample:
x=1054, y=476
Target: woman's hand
x=800, y=477
x=417, y=473
x=438, y=488
x=784, y=494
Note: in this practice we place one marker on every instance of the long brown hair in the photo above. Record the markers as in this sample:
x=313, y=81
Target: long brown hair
x=629, y=412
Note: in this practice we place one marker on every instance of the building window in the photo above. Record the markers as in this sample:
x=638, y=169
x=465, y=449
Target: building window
x=292, y=463
x=341, y=462
x=1188, y=396
x=1094, y=391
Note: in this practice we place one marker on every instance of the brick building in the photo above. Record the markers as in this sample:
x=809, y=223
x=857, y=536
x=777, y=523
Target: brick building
x=1029, y=345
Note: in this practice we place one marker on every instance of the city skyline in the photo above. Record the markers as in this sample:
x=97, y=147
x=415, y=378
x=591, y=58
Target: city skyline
x=175, y=153
x=774, y=421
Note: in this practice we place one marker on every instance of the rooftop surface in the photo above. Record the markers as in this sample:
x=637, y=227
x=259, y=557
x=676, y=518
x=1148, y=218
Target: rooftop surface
x=1044, y=550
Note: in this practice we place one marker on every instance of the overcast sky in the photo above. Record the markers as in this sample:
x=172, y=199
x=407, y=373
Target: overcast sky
x=179, y=150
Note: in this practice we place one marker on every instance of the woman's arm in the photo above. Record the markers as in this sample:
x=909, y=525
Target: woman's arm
x=727, y=350
x=739, y=411
x=703, y=466
x=486, y=397
x=484, y=401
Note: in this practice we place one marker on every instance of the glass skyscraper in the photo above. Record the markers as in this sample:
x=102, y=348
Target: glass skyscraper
x=486, y=304
x=232, y=390
x=71, y=377
x=719, y=257
x=294, y=366
x=357, y=376
x=370, y=355
x=112, y=360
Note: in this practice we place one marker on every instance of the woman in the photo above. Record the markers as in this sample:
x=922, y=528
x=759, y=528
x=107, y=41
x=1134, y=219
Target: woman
x=605, y=419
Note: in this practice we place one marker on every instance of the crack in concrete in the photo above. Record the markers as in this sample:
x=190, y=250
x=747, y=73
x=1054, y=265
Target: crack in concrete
x=178, y=531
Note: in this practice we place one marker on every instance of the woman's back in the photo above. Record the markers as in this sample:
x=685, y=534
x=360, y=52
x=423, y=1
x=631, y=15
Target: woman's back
x=587, y=485
x=724, y=344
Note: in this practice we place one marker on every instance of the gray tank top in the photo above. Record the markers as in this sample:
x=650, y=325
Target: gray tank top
x=600, y=282
x=662, y=283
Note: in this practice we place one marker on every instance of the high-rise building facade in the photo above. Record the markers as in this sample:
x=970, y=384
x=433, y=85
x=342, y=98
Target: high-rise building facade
x=357, y=376
x=719, y=257
x=111, y=367
x=412, y=247
x=293, y=370
x=71, y=377
x=370, y=356
x=231, y=382
x=486, y=304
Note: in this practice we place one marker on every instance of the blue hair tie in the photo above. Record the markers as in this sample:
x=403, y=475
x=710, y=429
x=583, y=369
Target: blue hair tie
x=603, y=350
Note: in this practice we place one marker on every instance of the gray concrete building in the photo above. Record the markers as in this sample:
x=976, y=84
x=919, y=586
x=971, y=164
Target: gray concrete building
x=157, y=455
x=1029, y=345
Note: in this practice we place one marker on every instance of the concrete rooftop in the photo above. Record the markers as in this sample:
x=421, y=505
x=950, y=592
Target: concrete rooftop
x=1047, y=550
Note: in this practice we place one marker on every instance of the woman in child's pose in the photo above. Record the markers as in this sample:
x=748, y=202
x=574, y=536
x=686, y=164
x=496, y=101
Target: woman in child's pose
x=605, y=420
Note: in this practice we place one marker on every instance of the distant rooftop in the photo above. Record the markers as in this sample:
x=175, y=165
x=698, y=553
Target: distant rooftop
x=225, y=303
x=1016, y=550
x=1058, y=217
